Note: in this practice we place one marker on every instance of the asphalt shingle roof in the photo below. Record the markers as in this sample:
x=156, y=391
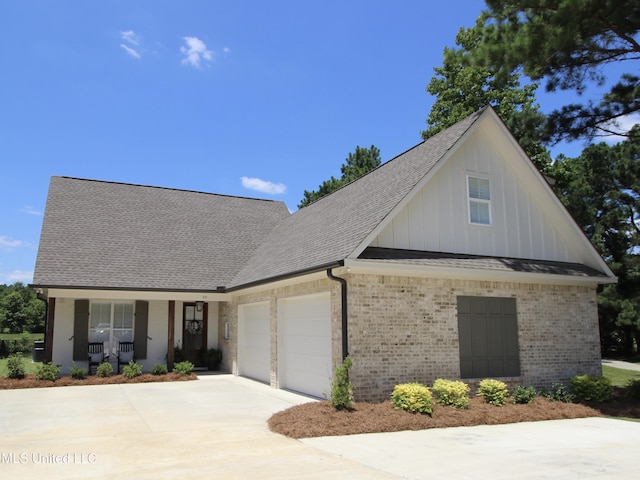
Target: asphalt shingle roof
x=115, y=235
x=330, y=229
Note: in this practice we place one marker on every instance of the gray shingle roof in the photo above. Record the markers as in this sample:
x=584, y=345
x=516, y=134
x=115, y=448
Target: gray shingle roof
x=115, y=235
x=501, y=264
x=330, y=229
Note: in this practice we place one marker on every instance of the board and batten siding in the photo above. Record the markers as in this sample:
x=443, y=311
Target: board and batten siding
x=437, y=217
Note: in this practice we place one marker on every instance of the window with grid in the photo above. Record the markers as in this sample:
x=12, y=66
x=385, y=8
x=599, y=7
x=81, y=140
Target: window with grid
x=111, y=323
x=479, y=200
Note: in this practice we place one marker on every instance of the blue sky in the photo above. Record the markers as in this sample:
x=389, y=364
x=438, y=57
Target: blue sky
x=249, y=98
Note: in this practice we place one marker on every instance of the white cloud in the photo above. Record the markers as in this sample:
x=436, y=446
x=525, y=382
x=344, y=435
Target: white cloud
x=620, y=125
x=195, y=52
x=132, y=42
x=16, y=276
x=263, y=185
x=130, y=37
x=29, y=210
x=130, y=51
x=9, y=244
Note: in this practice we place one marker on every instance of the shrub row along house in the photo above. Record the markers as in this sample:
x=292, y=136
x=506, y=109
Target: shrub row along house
x=454, y=260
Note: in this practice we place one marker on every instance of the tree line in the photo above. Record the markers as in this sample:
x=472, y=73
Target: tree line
x=21, y=310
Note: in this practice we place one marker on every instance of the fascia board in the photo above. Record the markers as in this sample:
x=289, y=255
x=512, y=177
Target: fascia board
x=406, y=270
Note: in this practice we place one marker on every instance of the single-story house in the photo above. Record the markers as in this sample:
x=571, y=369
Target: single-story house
x=453, y=260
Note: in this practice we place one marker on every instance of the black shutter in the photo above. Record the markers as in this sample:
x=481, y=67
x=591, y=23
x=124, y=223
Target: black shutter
x=141, y=329
x=80, y=329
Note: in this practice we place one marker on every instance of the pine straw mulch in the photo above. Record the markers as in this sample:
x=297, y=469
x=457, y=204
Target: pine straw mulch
x=319, y=419
x=29, y=381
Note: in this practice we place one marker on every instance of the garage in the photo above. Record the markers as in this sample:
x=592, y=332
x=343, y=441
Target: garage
x=254, y=341
x=304, y=344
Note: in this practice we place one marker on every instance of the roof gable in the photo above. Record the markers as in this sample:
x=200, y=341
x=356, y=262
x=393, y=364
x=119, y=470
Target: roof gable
x=116, y=235
x=331, y=229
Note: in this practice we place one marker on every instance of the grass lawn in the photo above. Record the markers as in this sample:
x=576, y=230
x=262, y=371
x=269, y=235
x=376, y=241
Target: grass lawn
x=29, y=366
x=618, y=376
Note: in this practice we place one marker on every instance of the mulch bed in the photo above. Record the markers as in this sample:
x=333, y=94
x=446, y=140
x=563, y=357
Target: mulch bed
x=318, y=419
x=29, y=381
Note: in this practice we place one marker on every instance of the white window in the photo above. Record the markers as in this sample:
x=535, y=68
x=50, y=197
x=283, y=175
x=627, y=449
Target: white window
x=111, y=323
x=479, y=200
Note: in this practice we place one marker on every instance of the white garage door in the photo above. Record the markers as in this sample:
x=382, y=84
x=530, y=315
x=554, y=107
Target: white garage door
x=254, y=341
x=304, y=348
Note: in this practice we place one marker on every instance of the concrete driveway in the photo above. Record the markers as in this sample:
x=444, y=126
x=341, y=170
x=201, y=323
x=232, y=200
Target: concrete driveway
x=216, y=428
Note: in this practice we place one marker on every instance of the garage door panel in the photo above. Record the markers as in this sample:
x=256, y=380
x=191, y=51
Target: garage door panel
x=304, y=352
x=254, y=341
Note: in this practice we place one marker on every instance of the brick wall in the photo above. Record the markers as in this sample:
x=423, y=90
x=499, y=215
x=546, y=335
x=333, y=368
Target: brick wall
x=404, y=329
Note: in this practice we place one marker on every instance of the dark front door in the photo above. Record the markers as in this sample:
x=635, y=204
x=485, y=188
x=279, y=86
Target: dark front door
x=194, y=331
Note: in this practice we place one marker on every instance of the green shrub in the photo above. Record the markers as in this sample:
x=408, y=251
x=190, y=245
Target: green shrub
x=104, y=370
x=132, y=370
x=341, y=387
x=15, y=366
x=494, y=392
x=77, y=372
x=47, y=371
x=453, y=393
x=524, y=395
x=413, y=397
x=183, y=368
x=558, y=393
x=589, y=388
x=633, y=389
x=159, y=369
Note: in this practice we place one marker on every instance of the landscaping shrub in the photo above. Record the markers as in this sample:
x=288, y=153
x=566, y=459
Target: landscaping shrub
x=559, y=393
x=15, y=366
x=77, y=372
x=633, y=389
x=524, y=395
x=183, y=368
x=47, y=371
x=494, y=392
x=159, y=369
x=413, y=397
x=104, y=370
x=589, y=388
x=132, y=370
x=341, y=387
x=453, y=393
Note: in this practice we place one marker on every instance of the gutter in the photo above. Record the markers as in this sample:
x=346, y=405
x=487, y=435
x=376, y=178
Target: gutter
x=345, y=330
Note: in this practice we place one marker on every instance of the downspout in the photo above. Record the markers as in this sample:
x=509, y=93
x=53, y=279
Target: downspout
x=343, y=291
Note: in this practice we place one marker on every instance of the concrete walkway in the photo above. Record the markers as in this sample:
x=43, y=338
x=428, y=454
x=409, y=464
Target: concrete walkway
x=621, y=364
x=216, y=428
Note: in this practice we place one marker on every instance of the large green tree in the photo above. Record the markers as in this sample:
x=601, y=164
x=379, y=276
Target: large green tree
x=358, y=163
x=601, y=189
x=20, y=309
x=569, y=43
x=462, y=89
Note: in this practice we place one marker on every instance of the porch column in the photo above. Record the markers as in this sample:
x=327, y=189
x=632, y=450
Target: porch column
x=48, y=332
x=170, y=334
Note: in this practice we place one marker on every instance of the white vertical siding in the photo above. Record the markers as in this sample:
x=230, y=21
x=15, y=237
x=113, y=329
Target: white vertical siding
x=437, y=217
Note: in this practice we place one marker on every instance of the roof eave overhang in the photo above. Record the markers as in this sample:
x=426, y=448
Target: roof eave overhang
x=126, y=293
x=400, y=269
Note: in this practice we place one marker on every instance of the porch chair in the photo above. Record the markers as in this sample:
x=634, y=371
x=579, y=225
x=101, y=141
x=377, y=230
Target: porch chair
x=95, y=355
x=125, y=354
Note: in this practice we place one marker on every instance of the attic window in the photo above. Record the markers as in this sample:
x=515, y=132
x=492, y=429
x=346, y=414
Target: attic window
x=479, y=200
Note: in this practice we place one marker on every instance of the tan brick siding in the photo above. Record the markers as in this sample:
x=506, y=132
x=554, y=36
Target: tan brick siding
x=405, y=329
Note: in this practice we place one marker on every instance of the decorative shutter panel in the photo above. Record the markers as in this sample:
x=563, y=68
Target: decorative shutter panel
x=141, y=329
x=80, y=329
